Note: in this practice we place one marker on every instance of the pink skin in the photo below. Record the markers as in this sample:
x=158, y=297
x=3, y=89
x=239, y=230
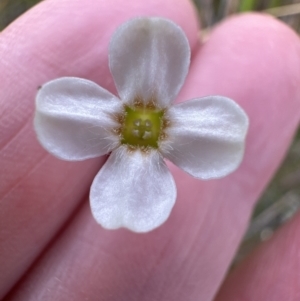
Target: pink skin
x=252, y=58
x=271, y=273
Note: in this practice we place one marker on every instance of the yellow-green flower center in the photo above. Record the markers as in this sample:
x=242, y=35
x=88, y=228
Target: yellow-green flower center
x=142, y=127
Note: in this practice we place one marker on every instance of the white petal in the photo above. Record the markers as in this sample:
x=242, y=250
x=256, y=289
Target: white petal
x=133, y=190
x=149, y=58
x=207, y=136
x=74, y=118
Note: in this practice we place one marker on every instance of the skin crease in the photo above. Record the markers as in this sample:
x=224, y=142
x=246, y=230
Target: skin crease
x=186, y=258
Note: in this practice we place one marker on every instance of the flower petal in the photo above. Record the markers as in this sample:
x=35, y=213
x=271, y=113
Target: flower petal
x=74, y=118
x=149, y=60
x=207, y=136
x=134, y=190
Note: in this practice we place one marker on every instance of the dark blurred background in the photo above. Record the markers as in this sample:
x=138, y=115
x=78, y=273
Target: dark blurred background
x=281, y=199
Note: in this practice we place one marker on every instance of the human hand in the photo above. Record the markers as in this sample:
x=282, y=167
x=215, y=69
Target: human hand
x=45, y=220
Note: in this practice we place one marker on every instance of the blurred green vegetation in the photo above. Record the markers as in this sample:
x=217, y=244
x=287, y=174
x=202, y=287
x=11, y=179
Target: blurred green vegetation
x=11, y=9
x=281, y=199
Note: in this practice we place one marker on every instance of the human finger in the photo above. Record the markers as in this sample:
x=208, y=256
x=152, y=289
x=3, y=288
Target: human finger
x=187, y=258
x=270, y=273
x=57, y=38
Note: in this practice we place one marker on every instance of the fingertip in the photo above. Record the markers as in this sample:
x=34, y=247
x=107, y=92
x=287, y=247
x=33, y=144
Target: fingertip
x=253, y=59
x=56, y=38
x=271, y=269
x=248, y=50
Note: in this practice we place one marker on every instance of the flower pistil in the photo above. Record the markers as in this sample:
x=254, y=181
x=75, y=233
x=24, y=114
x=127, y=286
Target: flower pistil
x=142, y=126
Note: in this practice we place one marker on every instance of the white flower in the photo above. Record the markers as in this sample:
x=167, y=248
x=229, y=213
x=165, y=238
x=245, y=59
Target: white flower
x=76, y=119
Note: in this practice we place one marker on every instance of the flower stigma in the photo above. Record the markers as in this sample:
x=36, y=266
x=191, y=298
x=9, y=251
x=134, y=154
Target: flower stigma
x=142, y=127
